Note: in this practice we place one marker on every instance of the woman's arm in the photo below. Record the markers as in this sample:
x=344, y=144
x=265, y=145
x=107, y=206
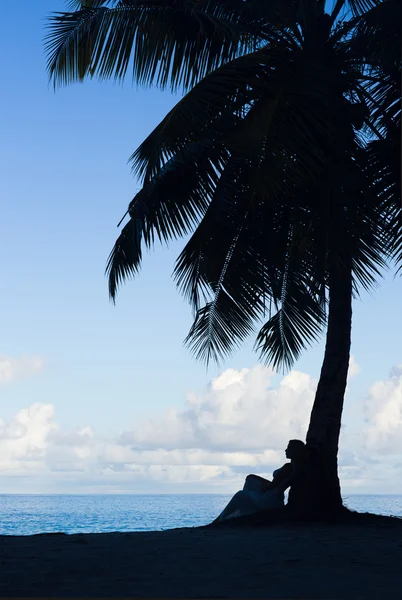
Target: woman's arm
x=284, y=474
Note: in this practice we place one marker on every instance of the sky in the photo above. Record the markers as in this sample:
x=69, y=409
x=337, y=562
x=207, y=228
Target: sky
x=97, y=398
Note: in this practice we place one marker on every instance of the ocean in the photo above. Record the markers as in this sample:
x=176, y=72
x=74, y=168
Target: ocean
x=32, y=514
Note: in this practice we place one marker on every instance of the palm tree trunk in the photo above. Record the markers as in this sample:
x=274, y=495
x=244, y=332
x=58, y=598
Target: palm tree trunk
x=317, y=492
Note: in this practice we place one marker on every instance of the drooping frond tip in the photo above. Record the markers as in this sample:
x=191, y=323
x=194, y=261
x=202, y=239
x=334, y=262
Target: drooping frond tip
x=125, y=259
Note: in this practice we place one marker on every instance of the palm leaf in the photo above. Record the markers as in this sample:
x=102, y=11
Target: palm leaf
x=224, y=263
x=74, y=5
x=297, y=287
x=360, y=7
x=125, y=259
x=210, y=109
x=175, y=43
x=222, y=215
x=168, y=207
x=377, y=35
x=233, y=261
x=384, y=165
x=298, y=322
x=267, y=94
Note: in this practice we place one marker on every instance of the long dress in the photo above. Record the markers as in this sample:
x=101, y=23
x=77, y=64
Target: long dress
x=252, y=499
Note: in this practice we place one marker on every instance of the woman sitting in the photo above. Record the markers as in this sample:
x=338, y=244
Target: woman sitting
x=259, y=494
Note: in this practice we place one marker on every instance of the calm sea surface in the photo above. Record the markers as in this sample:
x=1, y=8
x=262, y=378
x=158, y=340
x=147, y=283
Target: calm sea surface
x=26, y=515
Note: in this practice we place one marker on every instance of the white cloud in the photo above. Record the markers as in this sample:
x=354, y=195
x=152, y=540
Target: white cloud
x=383, y=415
x=13, y=369
x=240, y=411
x=354, y=368
x=240, y=424
x=24, y=439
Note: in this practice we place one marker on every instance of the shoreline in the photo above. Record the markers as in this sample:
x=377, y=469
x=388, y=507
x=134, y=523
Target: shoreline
x=360, y=558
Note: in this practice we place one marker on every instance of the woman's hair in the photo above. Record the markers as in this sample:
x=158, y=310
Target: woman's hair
x=297, y=444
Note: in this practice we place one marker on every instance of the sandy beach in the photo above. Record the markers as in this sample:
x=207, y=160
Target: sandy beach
x=277, y=561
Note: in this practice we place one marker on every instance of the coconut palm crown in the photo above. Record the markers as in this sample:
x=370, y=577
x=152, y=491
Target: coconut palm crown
x=263, y=159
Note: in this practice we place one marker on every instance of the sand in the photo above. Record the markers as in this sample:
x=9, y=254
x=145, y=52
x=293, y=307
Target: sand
x=279, y=561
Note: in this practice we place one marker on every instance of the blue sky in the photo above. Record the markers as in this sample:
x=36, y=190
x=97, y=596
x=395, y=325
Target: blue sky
x=65, y=183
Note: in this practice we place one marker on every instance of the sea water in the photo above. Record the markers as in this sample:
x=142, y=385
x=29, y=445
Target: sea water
x=32, y=514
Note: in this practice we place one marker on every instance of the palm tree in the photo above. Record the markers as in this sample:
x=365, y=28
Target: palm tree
x=266, y=161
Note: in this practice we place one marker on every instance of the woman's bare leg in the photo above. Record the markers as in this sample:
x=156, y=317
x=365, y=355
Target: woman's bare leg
x=256, y=483
x=241, y=502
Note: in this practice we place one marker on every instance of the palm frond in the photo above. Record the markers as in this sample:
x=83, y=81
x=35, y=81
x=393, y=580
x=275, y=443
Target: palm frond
x=384, y=165
x=223, y=264
x=360, y=7
x=244, y=104
x=74, y=5
x=377, y=35
x=219, y=326
x=227, y=319
x=384, y=99
x=169, y=206
x=236, y=260
x=223, y=214
x=211, y=109
x=337, y=9
x=298, y=322
x=171, y=44
x=125, y=259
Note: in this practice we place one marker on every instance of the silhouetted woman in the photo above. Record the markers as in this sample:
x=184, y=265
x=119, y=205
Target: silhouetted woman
x=259, y=494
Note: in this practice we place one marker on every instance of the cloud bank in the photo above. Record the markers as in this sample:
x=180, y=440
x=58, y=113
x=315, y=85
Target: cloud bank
x=240, y=424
